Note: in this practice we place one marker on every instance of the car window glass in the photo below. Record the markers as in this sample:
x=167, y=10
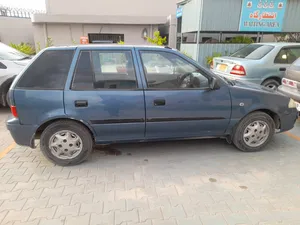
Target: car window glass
x=282, y=57
x=48, y=71
x=9, y=53
x=165, y=70
x=253, y=51
x=105, y=70
x=293, y=54
x=297, y=62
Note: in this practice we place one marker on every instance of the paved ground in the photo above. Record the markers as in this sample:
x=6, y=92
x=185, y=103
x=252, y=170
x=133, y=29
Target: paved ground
x=205, y=182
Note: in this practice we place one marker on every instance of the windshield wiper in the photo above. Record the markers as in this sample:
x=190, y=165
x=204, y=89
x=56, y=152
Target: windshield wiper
x=25, y=57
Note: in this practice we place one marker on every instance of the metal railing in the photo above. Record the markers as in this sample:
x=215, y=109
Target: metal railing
x=17, y=12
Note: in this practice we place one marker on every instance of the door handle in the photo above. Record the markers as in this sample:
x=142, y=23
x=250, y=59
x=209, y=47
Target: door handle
x=81, y=103
x=159, y=102
x=282, y=69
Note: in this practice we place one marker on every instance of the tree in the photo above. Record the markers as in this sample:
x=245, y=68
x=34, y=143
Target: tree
x=157, y=40
x=287, y=37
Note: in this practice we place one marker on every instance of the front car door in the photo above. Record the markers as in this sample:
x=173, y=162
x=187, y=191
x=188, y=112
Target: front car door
x=179, y=102
x=106, y=92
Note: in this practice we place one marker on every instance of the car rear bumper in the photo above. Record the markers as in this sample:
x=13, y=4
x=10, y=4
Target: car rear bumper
x=240, y=78
x=290, y=92
x=288, y=121
x=22, y=134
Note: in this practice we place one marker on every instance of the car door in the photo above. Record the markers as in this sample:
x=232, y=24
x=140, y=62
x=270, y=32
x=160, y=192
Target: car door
x=106, y=93
x=285, y=57
x=179, y=102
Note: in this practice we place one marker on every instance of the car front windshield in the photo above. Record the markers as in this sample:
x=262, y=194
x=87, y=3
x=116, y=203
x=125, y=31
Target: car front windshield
x=253, y=51
x=9, y=53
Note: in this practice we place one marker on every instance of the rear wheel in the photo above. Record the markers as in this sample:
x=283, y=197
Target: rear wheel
x=254, y=132
x=66, y=143
x=271, y=83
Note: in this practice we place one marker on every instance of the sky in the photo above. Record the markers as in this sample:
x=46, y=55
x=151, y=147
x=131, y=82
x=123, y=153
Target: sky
x=26, y=4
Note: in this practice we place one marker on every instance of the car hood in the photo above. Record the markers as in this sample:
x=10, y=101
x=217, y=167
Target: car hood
x=254, y=87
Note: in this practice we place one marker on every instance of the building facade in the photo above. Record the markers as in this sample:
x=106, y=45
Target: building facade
x=131, y=21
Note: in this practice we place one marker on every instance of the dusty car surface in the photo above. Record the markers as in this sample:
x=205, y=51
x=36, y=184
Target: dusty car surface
x=72, y=99
x=291, y=82
x=260, y=63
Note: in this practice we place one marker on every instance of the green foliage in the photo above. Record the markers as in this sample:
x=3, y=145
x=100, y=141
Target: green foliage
x=121, y=43
x=49, y=42
x=23, y=47
x=74, y=42
x=241, y=40
x=186, y=54
x=209, y=59
x=157, y=40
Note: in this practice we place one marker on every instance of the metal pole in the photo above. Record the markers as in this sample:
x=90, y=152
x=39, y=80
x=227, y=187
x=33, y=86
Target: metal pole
x=200, y=7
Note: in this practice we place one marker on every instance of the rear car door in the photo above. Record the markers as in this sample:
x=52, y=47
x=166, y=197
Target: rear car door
x=285, y=57
x=179, y=102
x=106, y=92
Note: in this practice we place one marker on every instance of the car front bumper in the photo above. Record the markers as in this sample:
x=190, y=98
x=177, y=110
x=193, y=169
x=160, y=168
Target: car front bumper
x=22, y=134
x=287, y=121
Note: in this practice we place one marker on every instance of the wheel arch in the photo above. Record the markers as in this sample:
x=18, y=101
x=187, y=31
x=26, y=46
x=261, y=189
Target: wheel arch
x=278, y=79
x=45, y=124
x=4, y=88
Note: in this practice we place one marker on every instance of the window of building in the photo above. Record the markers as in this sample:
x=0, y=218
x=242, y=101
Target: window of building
x=105, y=38
x=48, y=71
x=168, y=71
x=107, y=70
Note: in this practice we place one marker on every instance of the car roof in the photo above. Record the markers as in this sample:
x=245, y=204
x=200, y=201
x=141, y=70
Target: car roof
x=88, y=46
x=278, y=44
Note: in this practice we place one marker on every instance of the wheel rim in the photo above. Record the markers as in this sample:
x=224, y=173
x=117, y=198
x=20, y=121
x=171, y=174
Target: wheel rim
x=272, y=86
x=256, y=133
x=65, y=144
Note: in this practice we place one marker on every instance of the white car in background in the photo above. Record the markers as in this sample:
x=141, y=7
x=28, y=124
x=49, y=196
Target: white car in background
x=11, y=63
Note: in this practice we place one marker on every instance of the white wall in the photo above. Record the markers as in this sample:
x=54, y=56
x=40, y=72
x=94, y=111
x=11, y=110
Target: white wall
x=16, y=30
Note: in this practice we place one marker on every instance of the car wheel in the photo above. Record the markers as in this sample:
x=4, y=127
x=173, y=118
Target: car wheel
x=254, y=132
x=271, y=83
x=66, y=143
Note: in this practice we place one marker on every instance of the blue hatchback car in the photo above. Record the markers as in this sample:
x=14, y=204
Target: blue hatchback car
x=72, y=98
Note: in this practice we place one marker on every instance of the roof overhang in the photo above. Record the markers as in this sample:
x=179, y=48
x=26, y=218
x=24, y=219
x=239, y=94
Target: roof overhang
x=98, y=19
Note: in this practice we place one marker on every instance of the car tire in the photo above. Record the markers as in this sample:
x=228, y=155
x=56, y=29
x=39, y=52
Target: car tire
x=66, y=143
x=254, y=132
x=271, y=83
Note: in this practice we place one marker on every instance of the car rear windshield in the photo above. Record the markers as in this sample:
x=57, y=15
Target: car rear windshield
x=9, y=53
x=253, y=51
x=48, y=71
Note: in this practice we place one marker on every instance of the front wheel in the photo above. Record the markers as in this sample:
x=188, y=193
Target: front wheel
x=254, y=132
x=66, y=143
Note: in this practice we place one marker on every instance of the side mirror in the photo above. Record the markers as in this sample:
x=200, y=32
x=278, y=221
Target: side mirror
x=2, y=66
x=213, y=83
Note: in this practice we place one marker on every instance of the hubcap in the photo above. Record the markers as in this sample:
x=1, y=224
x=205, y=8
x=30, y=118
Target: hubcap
x=272, y=86
x=256, y=133
x=65, y=144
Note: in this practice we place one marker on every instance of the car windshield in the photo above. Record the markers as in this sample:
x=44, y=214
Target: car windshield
x=9, y=53
x=254, y=51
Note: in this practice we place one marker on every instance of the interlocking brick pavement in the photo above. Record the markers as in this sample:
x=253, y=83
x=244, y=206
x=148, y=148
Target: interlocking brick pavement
x=202, y=182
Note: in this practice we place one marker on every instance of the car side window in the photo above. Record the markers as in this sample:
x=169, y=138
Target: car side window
x=49, y=71
x=104, y=70
x=164, y=70
x=287, y=55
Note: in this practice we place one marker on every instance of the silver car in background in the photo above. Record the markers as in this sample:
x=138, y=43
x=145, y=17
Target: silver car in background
x=260, y=63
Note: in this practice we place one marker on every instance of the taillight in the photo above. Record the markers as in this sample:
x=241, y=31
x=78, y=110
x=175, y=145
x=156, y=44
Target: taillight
x=13, y=110
x=238, y=70
x=290, y=83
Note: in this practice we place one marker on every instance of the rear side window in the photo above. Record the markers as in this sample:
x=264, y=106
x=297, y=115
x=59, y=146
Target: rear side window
x=287, y=55
x=253, y=51
x=49, y=71
x=104, y=70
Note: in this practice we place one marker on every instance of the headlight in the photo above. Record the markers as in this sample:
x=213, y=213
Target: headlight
x=292, y=104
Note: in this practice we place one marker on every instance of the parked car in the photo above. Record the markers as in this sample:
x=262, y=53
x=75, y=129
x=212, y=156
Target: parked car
x=11, y=63
x=260, y=63
x=67, y=100
x=291, y=82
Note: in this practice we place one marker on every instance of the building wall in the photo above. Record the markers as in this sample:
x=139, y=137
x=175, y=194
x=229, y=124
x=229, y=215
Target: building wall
x=68, y=34
x=190, y=16
x=16, y=30
x=220, y=15
x=292, y=16
x=112, y=7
